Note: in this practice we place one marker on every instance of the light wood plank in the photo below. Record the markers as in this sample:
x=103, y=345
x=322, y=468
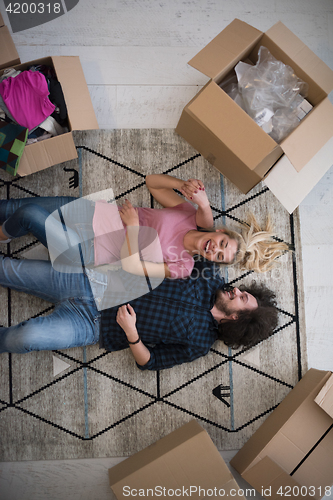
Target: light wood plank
x=126, y=65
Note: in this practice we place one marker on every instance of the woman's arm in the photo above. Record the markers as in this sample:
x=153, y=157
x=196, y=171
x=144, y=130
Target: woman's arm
x=130, y=256
x=126, y=318
x=194, y=190
x=162, y=187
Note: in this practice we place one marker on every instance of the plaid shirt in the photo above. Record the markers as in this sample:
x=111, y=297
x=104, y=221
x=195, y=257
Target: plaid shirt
x=173, y=320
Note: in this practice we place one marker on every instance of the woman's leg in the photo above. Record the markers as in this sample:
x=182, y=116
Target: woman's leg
x=49, y=203
x=67, y=232
x=73, y=323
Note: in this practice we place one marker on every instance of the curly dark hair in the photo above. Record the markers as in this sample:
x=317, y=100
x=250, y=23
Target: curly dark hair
x=254, y=326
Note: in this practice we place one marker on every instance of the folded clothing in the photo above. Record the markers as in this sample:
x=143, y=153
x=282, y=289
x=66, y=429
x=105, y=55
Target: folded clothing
x=26, y=97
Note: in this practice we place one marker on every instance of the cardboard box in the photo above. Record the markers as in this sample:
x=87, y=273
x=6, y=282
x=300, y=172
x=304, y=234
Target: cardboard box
x=81, y=115
x=297, y=438
x=273, y=482
x=325, y=397
x=185, y=460
x=229, y=139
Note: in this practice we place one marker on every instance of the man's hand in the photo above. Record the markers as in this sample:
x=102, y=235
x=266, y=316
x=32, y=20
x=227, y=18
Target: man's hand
x=129, y=214
x=194, y=190
x=126, y=318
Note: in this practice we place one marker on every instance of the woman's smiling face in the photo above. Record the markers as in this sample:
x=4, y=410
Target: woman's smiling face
x=217, y=246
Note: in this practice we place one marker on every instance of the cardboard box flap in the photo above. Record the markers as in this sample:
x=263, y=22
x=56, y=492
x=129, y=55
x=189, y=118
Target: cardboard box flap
x=309, y=138
x=316, y=470
x=8, y=53
x=47, y=153
x=325, y=397
x=302, y=56
x=79, y=106
x=291, y=187
x=268, y=477
x=239, y=132
x=224, y=51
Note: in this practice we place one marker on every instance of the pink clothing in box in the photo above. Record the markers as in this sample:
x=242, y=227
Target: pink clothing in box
x=26, y=97
x=171, y=225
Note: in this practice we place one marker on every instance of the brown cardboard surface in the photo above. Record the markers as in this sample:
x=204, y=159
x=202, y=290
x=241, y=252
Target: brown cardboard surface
x=267, y=476
x=2, y=23
x=263, y=442
x=185, y=458
x=290, y=186
x=235, y=43
x=218, y=113
x=244, y=155
x=80, y=109
x=316, y=130
x=8, y=53
x=297, y=437
x=223, y=159
x=44, y=154
x=225, y=50
x=317, y=469
x=304, y=60
x=325, y=397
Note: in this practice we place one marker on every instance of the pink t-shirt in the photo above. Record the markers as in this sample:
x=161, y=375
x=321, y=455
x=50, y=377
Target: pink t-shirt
x=170, y=224
x=26, y=97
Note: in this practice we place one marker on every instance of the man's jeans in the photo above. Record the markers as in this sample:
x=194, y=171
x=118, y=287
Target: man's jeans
x=74, y=321
x=67, y=233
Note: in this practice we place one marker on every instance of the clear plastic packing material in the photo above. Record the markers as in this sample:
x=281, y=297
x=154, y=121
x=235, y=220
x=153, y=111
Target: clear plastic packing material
x=270, y=93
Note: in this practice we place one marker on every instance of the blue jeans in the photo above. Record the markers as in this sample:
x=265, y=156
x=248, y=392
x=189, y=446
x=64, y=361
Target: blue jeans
x=74, y=321
x=62, y=224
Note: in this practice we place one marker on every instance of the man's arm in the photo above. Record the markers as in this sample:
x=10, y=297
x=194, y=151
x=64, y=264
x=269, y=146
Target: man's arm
x=162, y=355
x=126, y=318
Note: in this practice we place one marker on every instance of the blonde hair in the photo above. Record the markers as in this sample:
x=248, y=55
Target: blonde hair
x=258, y=250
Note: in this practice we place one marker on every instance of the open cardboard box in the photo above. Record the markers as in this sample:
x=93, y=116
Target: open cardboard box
x=231, y=141
x=294, y=446
x=183, y=461
x=81, y=115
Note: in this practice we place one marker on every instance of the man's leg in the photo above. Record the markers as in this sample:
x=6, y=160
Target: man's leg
x=37, y=277
x=73, y=323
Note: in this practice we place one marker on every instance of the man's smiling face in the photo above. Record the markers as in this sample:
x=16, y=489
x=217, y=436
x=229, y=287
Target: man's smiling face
x=234, y=300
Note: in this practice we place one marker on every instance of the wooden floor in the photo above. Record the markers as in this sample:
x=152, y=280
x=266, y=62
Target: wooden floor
x=134, y=55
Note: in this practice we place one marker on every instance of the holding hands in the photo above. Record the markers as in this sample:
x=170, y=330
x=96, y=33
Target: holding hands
x=194, y=190
x=129, y=214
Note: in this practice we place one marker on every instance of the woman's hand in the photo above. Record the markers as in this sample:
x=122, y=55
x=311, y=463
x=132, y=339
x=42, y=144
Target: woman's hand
x=126, y=318
x=129, y=214
x=194, y=190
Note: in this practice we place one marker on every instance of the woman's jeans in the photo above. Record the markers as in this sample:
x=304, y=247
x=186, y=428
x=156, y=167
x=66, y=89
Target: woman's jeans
x=74, y=321
x=68, y=235
x=62, y=224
